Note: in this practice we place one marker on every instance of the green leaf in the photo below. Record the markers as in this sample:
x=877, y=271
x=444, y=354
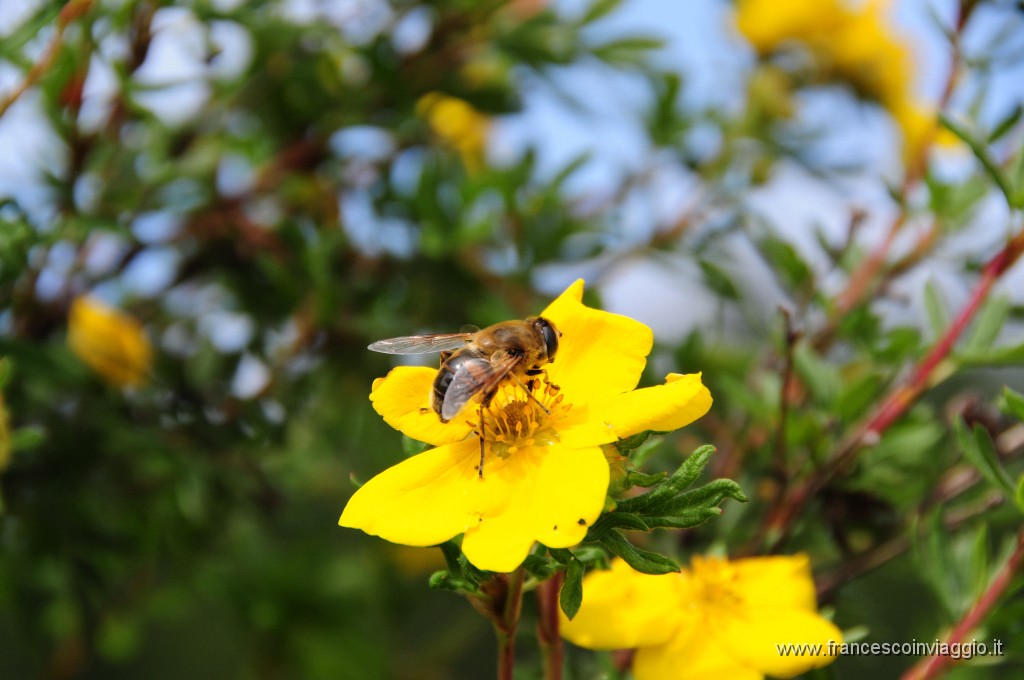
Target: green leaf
x=718, y=281
x=627, y=51
x=938, y=320
x=597, y=10
x=983, y=155
x=981, y=453
x=27, y=438
x=570, y=597
x=683, y=520
x=711, y=494
x=1013, y=403
x=1018, y=497
x=633, y=441
x=989, y=322
x=680, y=479
x=412, y=447
x=539, y=566
x=6, y=368
x=643, y=561
x=617, y=520
x=1006, y=124
x=637, y=478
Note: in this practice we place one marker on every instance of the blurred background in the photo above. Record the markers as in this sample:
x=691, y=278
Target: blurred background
x=208, y=209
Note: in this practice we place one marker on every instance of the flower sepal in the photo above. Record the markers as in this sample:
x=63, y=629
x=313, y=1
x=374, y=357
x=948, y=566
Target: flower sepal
x=460, y=576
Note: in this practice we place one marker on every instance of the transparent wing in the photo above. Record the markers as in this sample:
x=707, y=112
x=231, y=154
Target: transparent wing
x=473, y=377
x=421, y=344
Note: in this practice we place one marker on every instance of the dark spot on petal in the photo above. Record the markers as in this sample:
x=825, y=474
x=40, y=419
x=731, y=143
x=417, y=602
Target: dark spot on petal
x=555, y=527
x=582, y=522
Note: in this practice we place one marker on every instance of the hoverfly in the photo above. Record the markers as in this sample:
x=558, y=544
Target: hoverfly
x=477, y=363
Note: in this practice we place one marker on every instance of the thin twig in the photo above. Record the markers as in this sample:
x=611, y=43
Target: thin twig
x=547, y=627
x=71, y=11
x=934, y=666
x=778, y=522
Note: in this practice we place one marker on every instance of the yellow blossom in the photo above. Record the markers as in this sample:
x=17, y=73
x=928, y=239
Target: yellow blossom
x=849, y=43
x=718, y=619
x=545, y=474
x=110, y=342
x=458, y=125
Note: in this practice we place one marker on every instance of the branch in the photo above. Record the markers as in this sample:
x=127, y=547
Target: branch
x=934, y=666
x=71, y=11
x=778, y=522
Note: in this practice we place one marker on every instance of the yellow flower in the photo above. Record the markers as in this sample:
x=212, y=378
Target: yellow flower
x=458, y=125
x=545, y=475
x=719, y=619
x=110, y=342
x=854, y=45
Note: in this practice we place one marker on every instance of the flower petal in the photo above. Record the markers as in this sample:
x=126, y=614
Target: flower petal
x=690, y=655
x=754, y=637
x=402, y=397
x=555, y=494
x=428, y=498
x=782, y=581
x=623, y=608
x=600, y=354
x=680, y=401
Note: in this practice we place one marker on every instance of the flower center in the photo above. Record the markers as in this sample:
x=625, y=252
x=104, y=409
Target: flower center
x=715, y=583
x=516, y=420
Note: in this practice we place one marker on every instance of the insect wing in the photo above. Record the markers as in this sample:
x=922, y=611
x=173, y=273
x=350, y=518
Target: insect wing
x=473, y=377
x=421, y=344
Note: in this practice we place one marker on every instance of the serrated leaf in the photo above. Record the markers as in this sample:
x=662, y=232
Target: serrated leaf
x=617, y=520
x=570, y=597
x=637, y=478
x=709, y=495
x=683, y=520
x=643, y=561
x=673, y=485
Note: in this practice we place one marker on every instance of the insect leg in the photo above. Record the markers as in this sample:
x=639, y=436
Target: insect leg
x=529, y=393
x=480, y=467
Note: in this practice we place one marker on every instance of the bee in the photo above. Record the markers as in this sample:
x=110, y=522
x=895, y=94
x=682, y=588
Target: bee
x=478, y=363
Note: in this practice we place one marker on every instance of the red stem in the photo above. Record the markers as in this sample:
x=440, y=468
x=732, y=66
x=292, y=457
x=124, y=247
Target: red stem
x=547, y=627
x=896, y=403
x=934, y=666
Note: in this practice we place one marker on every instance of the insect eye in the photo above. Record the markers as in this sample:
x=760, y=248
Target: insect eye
x=550, y=335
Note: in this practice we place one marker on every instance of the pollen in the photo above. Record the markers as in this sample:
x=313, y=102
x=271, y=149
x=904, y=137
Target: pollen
x=523, y=416
x=715, y=580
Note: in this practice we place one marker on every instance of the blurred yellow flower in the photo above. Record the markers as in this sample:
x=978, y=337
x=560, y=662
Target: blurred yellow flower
x=850, y=43
x=546, y=476
x=458, y=125
x=110, y=342
x=718, y=619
